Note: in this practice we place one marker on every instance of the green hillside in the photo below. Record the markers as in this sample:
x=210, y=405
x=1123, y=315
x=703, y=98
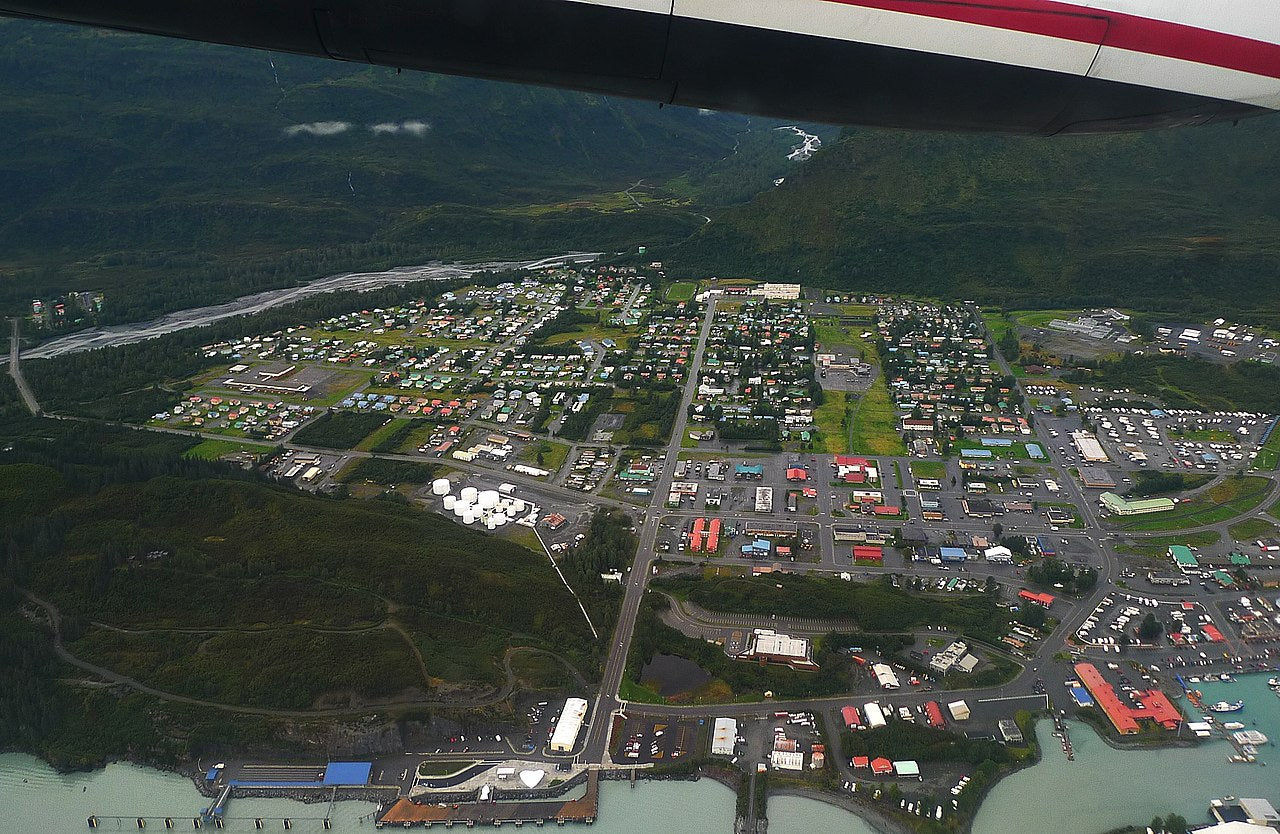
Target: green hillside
x=1176, y=220
x=170, y=174
x=202, y=582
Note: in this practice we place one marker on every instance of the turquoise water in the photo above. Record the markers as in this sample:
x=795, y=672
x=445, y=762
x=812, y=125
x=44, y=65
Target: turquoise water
x=1101, y=789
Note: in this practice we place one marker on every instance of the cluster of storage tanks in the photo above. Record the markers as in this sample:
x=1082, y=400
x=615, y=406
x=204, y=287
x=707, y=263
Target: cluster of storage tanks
x=491, y=507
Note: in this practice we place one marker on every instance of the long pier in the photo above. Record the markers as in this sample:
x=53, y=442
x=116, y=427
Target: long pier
x=198, y=823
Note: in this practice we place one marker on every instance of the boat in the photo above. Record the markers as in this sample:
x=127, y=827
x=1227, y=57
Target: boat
x=1226, y=677
x=1273, y=682
x=1233, y=725
x=1224, y=706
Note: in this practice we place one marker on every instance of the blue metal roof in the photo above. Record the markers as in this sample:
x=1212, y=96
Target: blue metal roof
x=347, y=773
x=996, y=441
x=975, y=453
x=1034, y=450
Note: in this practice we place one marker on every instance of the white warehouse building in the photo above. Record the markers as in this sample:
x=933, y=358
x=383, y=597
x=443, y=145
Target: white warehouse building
x=569, y=725
x=724, y=736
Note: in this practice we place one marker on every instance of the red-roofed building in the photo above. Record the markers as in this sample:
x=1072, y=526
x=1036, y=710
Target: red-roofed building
x=850, y=460
x=695, y=540
x=1105, y=697
x=1211, y=633
x=713, y=536
x=1159, y=709
x=795, y=473
x=1045, y=600
x=934, y=713
x=1155, y=705
x=861, y=761
x=850, y=716
x=868, y=553
x=881, y=766
x=886, y=509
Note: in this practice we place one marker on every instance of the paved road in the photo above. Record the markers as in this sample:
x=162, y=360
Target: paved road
x=15, y=369
x=607, y=700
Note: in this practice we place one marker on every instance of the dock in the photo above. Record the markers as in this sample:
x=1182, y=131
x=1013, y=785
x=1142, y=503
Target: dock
x=407, y=813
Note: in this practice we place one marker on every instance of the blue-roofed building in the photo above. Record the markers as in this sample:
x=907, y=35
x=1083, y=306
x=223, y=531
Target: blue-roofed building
x=1156, y=412
x=1081, y=696
x=952, y=554
x=996, y=441
x=975, y=453
x=1034, y=451
x=743, y=470
x=347, y=773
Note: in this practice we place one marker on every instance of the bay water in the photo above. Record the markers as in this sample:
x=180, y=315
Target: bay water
x=1101, y=789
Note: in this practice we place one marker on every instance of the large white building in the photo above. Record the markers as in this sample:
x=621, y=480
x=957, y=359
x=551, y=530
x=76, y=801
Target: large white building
x=724, y=736
x=1089, y=447
x=567, y=728
x=781, y=292
x=782, y=760
x=769, y=646
x=885, y=676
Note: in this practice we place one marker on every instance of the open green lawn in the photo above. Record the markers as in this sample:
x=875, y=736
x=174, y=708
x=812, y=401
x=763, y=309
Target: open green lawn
x=935, y=469
x=1269, y=455
x=381, y=434
x=875, y=423
x=1156, y=546
x=682, y=291
x=829, y=333
x=829, y=418
x=1018, y=451
x=213, y=449
x=1231, y=498
x=1251, y=529
x=592, y=333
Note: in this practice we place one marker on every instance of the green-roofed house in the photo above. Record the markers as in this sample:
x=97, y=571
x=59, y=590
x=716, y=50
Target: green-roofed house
x=1116, y=505
x=1240, y=560
x=1224, y=579
x=1184, y=558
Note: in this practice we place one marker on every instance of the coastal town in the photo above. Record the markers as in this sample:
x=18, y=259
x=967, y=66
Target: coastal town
x=880, y=550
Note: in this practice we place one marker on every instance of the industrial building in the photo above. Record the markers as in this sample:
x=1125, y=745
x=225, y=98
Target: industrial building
x=567, y=728
x=1155, y=706
x=724, y=736
x=764, y=499
x=954, y=656
x=885, y=676
x=768, y=646
x=1095, y=477
x=1120, y=506
x=1089, y=447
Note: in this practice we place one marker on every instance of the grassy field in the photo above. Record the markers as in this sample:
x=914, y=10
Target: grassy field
x=829, y=333
x=553, y=454
x=1269, y=455
x=213, y=449
x=377, y=436
x=1156, y=547
x=1232, y=497
x=935, y=469
x=1251, y=529
x=875, y=423
x=682, y=291
x=829, y=418
x=341, y=429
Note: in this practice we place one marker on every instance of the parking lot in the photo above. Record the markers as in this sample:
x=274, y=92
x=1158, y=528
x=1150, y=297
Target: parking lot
x=648, y=740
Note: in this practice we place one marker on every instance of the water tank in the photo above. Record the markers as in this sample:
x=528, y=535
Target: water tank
x=469, y=517
x=469, y=494
x=500, y=519
x=440, y=486
x=450, y=501
x=518, y=506
x=488, y=499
